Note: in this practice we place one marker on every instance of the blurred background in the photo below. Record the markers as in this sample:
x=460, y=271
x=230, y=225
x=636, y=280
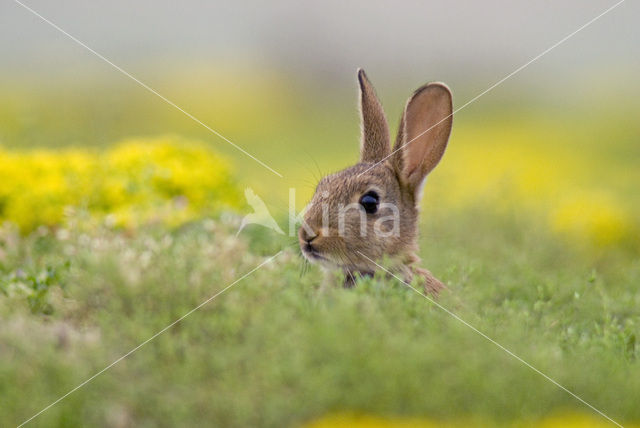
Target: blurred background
x=541, y=175
x=279, y=80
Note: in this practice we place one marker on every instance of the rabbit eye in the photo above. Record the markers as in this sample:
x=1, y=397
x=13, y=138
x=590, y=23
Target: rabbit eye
x=369, y=202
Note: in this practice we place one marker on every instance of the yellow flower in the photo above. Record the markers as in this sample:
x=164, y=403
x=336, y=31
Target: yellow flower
x=592, y=216
x=167, y=180
x=530, y=171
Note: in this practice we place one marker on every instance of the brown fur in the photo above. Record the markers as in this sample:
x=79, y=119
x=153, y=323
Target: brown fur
x=375, y=143
x=396, y=176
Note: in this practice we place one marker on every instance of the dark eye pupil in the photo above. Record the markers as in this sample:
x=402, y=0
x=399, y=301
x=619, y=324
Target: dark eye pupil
x=369, y=202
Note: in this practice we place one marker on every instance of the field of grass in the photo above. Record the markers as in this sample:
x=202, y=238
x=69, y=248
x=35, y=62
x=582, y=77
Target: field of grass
x=531, y=221
x=277, y=349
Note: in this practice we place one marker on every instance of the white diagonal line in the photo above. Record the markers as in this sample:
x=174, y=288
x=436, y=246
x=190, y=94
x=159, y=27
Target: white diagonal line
x=151, y=338
x=499, y=82
x=494, y=342
x=148, y=88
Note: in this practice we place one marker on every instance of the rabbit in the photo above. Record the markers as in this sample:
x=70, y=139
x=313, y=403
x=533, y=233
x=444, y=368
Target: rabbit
x=370, y=211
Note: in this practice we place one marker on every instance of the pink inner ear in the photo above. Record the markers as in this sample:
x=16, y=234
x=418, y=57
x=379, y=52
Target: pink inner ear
x=427, y=127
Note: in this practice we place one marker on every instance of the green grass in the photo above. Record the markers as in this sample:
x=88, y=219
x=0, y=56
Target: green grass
x=277, y=349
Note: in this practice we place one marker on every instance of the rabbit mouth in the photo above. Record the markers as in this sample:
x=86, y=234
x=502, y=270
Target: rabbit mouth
x=328, y=260
x=311, y=253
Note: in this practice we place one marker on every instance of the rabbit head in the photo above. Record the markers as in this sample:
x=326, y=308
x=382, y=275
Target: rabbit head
x=370, y=211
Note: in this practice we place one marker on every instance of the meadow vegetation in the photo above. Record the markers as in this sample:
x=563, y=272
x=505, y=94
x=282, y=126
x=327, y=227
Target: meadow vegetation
x=531, y=220
x=167, y=180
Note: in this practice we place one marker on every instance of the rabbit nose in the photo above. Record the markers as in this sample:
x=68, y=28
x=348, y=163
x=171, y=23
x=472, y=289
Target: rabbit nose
x=306, y=237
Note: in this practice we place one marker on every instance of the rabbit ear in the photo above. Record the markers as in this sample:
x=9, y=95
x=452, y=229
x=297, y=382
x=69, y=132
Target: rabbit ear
x=424, y=131
x=375, y=143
